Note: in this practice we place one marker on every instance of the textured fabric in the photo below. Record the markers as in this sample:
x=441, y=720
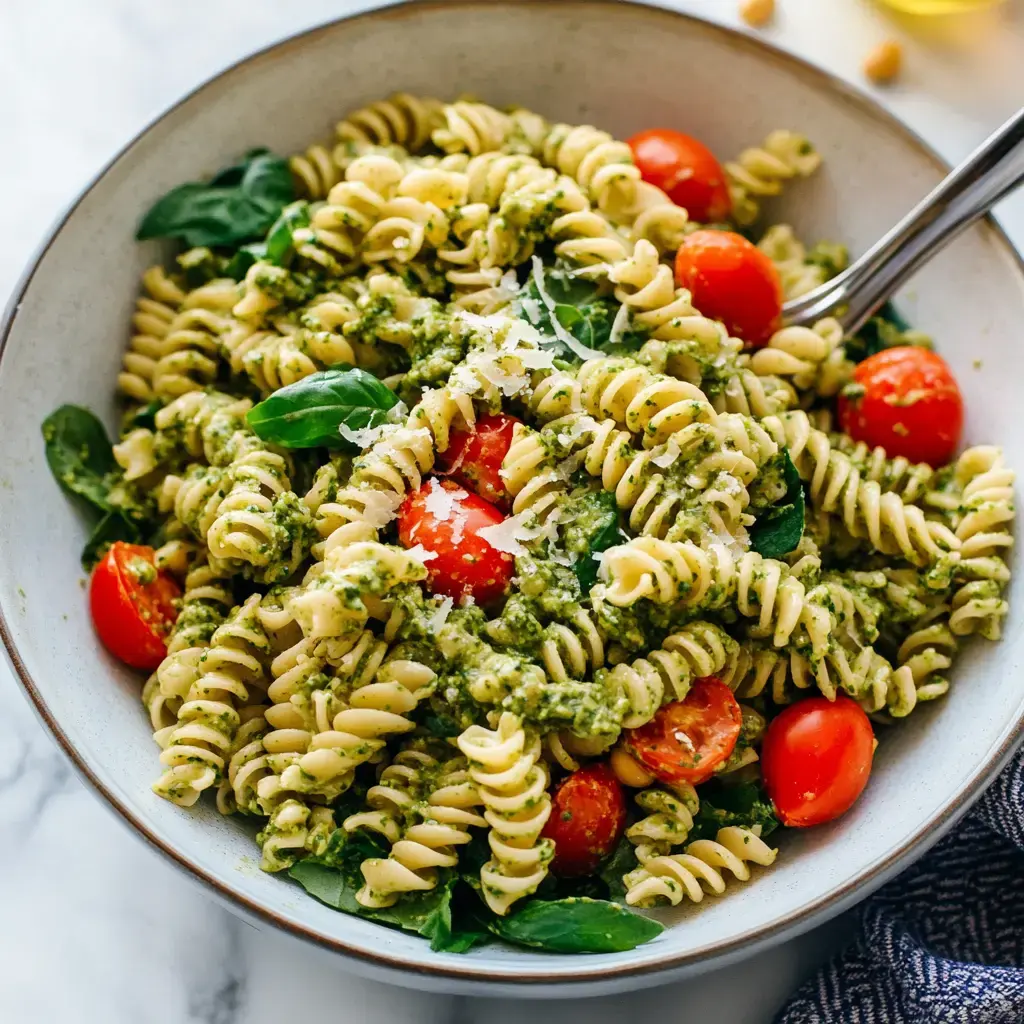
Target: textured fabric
x=944, y=942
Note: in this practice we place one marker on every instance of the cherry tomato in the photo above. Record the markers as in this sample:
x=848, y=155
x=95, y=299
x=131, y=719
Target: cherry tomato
x=684, y=168
x=733, y=281
x=688, y=739
x=588, y=817
x=910, y=405
x=447, y=520
x=816, y=759
x=133, y=605
x=474, y=457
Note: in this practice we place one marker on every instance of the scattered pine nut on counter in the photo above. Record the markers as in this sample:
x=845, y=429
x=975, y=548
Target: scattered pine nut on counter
x=757, y=12
x=884, y=63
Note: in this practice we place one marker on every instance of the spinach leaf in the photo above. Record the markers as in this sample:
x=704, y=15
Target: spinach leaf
x=579, y=306
x=237, y=205
x=279, y=237
x=575, y=925
x=724, y=803
x=886, y=329
x=309, y=413
x=144, y=416
x=79, y=454
x=603, y=532
x=779, y=529
x=113, y=526
x=621, y=862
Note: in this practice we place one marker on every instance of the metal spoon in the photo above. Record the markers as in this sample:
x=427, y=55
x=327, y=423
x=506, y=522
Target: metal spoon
x=989, y=174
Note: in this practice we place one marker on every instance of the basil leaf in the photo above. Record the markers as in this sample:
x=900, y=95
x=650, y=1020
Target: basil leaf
x=724, y=803
x=279, y=238
x=576, y=925
x=601, y=524
x=245, y=256
x=79, y=454
x=779, y=529
x=579, y=307
x=237, y=205
x=308, y=413
x=112, y=527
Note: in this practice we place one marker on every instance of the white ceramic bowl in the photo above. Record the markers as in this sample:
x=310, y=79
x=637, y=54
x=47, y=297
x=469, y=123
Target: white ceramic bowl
x=622, y=67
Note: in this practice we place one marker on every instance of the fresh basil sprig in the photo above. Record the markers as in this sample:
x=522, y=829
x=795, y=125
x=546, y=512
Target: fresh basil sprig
x=309, y=413
x=81, y=458
x=237, y=205
x=601, y=521
x=778, y=530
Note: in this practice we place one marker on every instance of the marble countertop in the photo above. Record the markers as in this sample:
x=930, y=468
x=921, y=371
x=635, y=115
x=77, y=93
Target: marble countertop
x=98, y=930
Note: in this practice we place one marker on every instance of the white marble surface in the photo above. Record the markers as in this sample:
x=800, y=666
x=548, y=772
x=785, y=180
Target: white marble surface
x=96, y=929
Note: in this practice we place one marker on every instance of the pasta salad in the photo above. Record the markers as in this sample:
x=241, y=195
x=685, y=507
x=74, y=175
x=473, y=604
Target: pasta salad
x=489, y=542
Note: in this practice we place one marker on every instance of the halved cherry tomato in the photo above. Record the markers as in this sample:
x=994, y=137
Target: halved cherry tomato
x=910, y=405
x=132, y=605
x=688, y=739
x=684, y=168
x=816, y=759
x=588, y=817
x=446, y=519
x=733, y=281
x=474, y=457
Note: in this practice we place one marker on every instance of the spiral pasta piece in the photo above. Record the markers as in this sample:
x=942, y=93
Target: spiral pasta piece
x=373, y=712
x=155, y=311
x=194, y=753
x=437, y=826
x=513, y=786
x=699, y=869
x=761, y=171
x=667, y=823
x=695, y=650
x=293, y=829
x=881, y=518
x=812, y=359
x=800, y=272
x=476, y=128
x=603, y=166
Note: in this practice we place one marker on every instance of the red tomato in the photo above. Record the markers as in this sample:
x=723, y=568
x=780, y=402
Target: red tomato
x=688, y=739
x=588, y=817
x=447, y=520
x=911, y=405
x=684, y=168
x=474, y=457
x=733, y=281
x=133, y=605
x=816, y=759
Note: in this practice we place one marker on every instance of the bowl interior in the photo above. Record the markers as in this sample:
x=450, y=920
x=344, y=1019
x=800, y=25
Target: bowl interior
x=621, y=67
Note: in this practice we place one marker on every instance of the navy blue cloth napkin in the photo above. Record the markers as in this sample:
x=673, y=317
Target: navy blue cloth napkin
x=943, y=942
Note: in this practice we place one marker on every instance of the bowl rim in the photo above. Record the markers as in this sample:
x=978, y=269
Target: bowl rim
x=786, y=926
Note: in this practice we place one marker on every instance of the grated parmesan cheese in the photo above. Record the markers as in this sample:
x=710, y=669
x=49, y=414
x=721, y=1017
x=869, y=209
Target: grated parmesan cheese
x=420, y=553
x=441, y=502
x=508, y=535
x=379, y=507
x=440, y=617
x=619, y=325
x=669, y=455
x=363, y=437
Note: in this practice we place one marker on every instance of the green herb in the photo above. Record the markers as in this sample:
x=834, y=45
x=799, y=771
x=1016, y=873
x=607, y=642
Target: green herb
x=579, y=307
x=309, y=413
x=142, y=417
x=245, y=256
x=334, y=878
x=79, y=454
x=279, y=241
x=605, y=535
x=724, y=803
x=886, y=329
x=237, y=205
x=575, y=925
x=620, y=863
x=779, y=529
x=441, y=726
x=112, y=527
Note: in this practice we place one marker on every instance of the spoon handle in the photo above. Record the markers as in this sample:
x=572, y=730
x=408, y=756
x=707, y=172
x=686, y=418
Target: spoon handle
x=989, y=174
